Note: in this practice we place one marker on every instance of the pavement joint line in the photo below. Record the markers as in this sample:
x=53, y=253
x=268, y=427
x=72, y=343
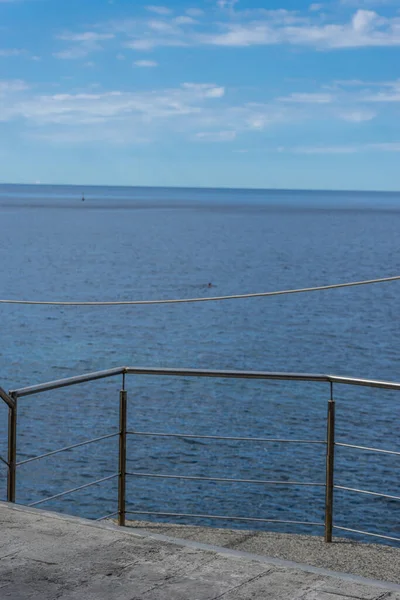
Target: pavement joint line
x=144, y=534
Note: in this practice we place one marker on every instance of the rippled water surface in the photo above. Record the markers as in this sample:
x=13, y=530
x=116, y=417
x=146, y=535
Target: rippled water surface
x=128, y=244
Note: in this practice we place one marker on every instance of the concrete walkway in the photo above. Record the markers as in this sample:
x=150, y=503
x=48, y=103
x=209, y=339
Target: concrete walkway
x=48, y=556
x=374, y=561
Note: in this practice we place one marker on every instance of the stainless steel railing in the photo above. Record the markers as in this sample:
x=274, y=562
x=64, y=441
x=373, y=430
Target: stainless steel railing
x=12, y=398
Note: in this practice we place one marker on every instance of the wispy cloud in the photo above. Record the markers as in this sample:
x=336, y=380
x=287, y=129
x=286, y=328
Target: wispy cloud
x=159, y=10
x=194, y=12
x=200, y=112
x=308, y=98
x=216, y=136
x=390, y=93
x=12, y=85
x=322, y=149
x=366, y=28
x=357, y=116
x=227, y=4
x=82, y=44
x=6, y=52
x=146, y=63
x=87, y=108
x=261, y=27
x=347, y=149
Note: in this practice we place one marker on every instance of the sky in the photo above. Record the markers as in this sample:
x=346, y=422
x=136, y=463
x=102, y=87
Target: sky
x=210, y=93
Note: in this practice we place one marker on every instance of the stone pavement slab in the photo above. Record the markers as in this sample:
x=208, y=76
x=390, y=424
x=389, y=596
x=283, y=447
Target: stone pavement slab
x=48, y=556
x=374, y=561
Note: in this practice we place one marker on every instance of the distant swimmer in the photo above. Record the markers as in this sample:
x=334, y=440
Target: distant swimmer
x=210, y=285
x=83, y=197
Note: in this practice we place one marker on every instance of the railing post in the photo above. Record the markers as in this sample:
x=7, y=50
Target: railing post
x=123, y=401
x=330, y=461
x=12, y=452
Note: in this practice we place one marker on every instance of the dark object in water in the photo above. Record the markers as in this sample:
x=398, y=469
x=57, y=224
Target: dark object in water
x=210, y=285
x=83, y=197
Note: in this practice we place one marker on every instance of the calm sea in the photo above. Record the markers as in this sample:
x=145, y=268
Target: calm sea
x=137, y=243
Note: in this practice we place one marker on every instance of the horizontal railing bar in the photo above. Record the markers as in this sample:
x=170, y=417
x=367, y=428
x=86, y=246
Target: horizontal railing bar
x=223, y=518
x=81, y=487
x=375, y=383
x=220, y=437
x=224, y=479
x=205, y=373
x=366, y=448
x=60, y=383
x=107, y=516
x=384, y=537
x=263, y=375
x=99, y=439
x=4, y=461
x=226, y=374
x=349, y=489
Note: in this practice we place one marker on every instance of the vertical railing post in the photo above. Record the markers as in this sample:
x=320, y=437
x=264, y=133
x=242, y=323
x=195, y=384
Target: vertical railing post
x=330, y=462
x=123, y=401
x=12, y=451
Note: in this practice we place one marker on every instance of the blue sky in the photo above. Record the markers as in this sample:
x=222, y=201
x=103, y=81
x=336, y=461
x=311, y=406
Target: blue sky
x=245, y=93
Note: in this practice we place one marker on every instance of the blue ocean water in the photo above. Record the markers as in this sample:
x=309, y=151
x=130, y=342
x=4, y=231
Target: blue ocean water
x=142, y=243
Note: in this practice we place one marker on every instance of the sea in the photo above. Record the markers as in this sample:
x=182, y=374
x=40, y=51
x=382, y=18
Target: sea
x=162, y=243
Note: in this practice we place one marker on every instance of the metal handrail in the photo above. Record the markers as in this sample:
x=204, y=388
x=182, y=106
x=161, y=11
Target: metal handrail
x=6, y=398
x=329, y=443
x=225, y=374
x=60, y=383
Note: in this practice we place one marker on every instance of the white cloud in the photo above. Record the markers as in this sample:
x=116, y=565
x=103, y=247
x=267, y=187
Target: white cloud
x=363, y=20
x=209, y=90
x=150, y=43
x=348, y=149
x=185, y=20
x=357, y=116
x=83, y=44
x=71, y=53
x=315, y=7
x=12, y=85
x=368, y=3
x=88, y=36
x=308, y=98
x=194, y=12
x=159, y=10
x=6, y=52
x=365, y=28
x=390, y=93
x=324, y=149
x=227, y=4
x=146, y=63
x=216, y=136
x=88, y=108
